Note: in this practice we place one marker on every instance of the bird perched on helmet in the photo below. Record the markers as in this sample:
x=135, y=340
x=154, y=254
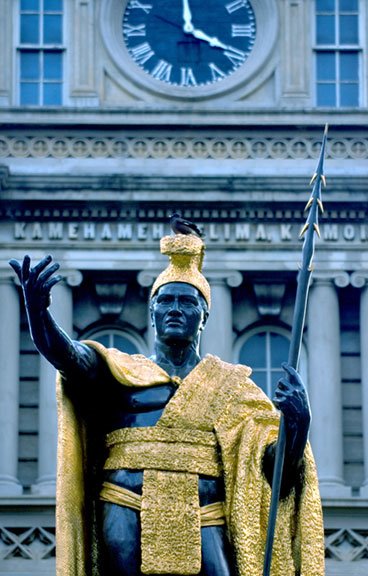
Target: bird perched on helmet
x=181, y=226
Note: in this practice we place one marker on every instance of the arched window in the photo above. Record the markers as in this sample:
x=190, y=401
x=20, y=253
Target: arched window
x=123, y=340
x=264, y=349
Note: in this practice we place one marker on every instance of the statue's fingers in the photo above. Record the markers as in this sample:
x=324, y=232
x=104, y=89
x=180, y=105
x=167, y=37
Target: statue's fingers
x=289, y=387
x=278, y=397
x=50, y=283
x=16, y=267
x=276, y=401
x=293, y=375
x=40, y=266
x=48, y=272
x=25, y=268
x=282, y=384
x=289, y=369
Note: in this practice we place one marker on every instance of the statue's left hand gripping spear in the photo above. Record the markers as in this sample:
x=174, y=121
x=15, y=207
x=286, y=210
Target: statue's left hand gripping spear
x=314, y=205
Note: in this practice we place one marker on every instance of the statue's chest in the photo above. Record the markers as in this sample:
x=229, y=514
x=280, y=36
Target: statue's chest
x=129, y=407
x=146, y=399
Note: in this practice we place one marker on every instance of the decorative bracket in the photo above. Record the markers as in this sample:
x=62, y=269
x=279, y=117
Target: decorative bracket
x=269, y=297
x=111, y=298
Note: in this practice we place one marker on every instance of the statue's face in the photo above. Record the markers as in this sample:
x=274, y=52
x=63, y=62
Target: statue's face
x=178, y=312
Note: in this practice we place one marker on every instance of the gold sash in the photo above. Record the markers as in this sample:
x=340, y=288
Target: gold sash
x=211, y=514
x=159, y=448
x=169, y=507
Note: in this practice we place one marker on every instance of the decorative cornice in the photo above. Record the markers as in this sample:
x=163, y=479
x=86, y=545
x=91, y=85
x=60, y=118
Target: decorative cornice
x=179, y=147
x=160, y=114
x=237, y=213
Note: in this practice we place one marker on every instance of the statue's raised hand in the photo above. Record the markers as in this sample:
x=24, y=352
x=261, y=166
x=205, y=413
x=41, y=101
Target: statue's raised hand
x=36, y=282
x=67, y=355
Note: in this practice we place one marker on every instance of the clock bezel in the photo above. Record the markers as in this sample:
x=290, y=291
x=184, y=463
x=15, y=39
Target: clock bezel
x=246, y=78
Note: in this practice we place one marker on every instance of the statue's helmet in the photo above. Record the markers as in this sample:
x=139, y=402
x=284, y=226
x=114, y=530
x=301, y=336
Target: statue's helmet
x=186, y=254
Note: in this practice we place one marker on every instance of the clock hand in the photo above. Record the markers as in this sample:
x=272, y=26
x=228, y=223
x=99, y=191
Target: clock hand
x=189, y=29
x=167, y=21
x=187, y=17
x=215, y=42
x=212, y=40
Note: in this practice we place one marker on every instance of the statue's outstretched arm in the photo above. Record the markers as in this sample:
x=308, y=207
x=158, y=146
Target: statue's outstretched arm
x=292, y=399
x=67, y=355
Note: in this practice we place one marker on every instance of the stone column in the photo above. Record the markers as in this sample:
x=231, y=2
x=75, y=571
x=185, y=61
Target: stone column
x=62, y=310
x=325, y=386
x=145, y=279
x=359, y=280
x=9, y=386
x=294, y=42
x=6, y=51
x=83, y=51
x=217, y=336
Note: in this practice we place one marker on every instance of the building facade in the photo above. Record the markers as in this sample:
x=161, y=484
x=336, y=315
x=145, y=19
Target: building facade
x=113, y=113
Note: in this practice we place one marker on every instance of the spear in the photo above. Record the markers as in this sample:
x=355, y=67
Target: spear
x=314, y=205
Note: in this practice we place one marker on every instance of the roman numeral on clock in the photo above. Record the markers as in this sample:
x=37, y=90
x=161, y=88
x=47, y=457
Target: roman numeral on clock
x=236, y=5
x=137, y=30
x=162, y=71
x=136, y=4
x=187, y=77
x=242, y=30
x=235, y=56
x=142, y=53
x=216, y=72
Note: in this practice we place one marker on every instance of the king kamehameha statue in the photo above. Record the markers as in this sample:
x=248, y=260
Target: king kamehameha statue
x=165, y=463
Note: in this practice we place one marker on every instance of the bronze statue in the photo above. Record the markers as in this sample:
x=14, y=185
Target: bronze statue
x=165, y=463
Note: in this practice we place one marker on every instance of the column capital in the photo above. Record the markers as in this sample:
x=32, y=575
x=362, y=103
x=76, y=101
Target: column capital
x=9, y=277
x=339, y=278
x=73, y=277
x=233, y=278
x=146, y=278
x=359, y=279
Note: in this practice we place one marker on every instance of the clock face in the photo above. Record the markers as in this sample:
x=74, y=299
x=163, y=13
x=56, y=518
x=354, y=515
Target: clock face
x=189, y=43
